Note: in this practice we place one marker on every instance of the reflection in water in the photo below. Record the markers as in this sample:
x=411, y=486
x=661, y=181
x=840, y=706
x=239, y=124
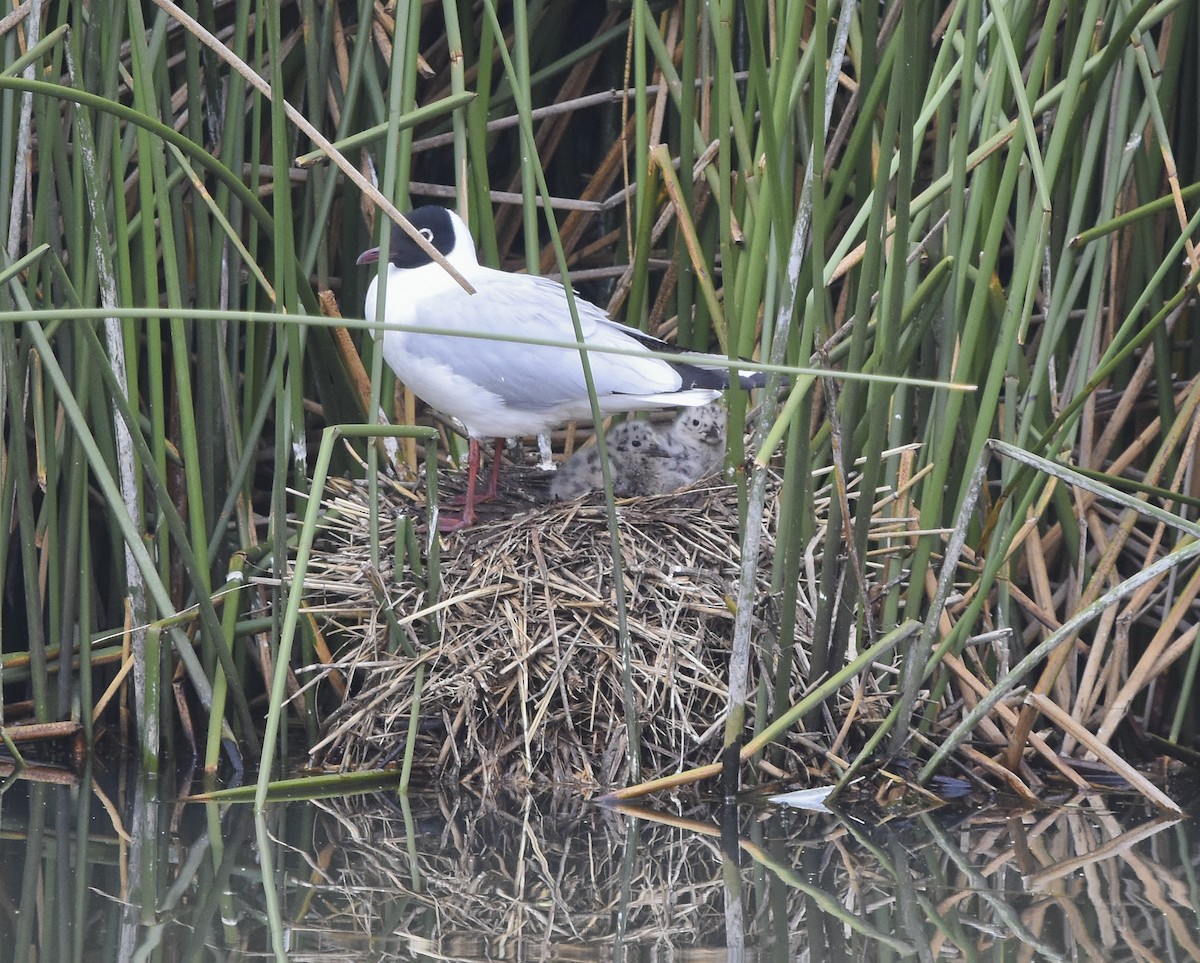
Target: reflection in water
x=115, y=873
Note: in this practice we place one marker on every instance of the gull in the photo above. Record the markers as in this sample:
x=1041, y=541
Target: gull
x=501, y=389
x=578, y=475
x=695, y=446
x=634, y=453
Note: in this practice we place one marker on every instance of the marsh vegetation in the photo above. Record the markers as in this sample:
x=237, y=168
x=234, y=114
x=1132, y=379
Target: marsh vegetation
x=956, y=235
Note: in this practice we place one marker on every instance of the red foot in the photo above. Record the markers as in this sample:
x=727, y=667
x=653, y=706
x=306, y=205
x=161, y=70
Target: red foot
x=454, y=523
x=473, y=494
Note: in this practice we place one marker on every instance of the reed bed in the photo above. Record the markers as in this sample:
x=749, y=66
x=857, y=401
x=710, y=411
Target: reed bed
x=954, y=229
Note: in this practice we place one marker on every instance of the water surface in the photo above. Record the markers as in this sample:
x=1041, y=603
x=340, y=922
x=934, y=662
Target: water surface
x=108, y=869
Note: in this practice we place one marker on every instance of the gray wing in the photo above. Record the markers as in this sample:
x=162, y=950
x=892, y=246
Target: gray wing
x=527, y=376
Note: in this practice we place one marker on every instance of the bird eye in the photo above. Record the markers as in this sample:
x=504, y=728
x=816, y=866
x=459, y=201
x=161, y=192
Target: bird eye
x=427, y=234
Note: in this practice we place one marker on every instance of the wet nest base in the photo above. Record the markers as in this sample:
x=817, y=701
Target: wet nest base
x=508, y=656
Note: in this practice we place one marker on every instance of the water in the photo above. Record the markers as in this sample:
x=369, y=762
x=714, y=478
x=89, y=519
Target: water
x=101, y=869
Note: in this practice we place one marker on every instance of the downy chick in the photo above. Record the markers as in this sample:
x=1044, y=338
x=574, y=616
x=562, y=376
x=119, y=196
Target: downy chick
x=695, y=446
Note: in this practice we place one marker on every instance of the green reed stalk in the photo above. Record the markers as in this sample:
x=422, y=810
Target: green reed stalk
x=458, y=87
x=394, y=184
x=518, y=78
x=869, y=406
x=15, y=364
x=639, y=218
x=478, y=142
x=229, y=614
x=623, y=641
x=291, y=613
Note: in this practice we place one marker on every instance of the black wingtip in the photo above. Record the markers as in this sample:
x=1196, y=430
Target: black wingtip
x=752, y=379
x=698, y=376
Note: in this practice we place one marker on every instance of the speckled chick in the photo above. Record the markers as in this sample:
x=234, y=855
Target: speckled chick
x=577, y=476
x=695, y=446
x=636, y=455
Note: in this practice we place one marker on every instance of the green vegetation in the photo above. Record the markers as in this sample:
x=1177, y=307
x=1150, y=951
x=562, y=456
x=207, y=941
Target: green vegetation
x=873, y=198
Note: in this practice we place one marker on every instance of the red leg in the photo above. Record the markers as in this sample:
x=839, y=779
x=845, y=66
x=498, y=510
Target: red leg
x=452, y=523
x=486, y=494
x=493, y=483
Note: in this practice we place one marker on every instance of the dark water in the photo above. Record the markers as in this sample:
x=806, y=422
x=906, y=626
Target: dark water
x=102, y=869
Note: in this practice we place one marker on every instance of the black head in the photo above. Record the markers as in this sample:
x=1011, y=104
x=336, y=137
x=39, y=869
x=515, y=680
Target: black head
x=436, y=224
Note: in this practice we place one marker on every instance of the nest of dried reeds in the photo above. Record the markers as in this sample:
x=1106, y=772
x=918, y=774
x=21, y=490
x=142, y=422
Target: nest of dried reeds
x=512, y=669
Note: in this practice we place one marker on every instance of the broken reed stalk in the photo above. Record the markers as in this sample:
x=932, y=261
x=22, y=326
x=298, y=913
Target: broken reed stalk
x=1052, y=711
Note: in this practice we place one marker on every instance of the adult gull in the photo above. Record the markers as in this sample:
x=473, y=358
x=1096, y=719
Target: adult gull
x=501, y=389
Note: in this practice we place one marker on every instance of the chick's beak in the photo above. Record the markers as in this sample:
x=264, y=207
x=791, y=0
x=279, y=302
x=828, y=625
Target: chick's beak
x=369, y=256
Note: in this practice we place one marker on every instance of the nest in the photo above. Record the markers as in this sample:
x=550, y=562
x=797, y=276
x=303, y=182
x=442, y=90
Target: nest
x=509, y=657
